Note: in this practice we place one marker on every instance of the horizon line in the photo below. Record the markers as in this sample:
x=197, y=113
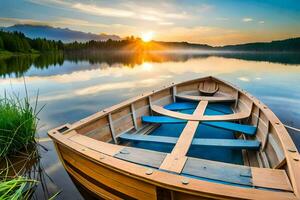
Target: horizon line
x=136, y=37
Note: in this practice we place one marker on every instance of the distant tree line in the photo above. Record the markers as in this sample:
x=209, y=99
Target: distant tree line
x=128, y=43
x=136, y=44
x=18, y=42
x=288, y=45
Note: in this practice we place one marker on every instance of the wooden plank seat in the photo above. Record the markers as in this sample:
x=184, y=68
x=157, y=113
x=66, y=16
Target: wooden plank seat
x=206, y=98
x=180, y=106
x=174, y=161
x=209, y=170
x=162, y=120
x=189, y=105
x=196, y=117
x=225, y=172
x=224, y=143
x=237, y=174
x=245, y=129
x=222, y=109
x=208, y=88
x=207, y=92
x=141, y=156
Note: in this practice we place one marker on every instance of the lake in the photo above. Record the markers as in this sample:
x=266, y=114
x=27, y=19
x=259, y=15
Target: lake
x=73, y=86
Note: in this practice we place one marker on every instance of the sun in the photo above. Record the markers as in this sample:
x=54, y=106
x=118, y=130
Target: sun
x=147, y=37
x=147, y=66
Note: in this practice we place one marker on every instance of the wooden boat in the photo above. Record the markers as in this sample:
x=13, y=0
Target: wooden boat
x=173, y=143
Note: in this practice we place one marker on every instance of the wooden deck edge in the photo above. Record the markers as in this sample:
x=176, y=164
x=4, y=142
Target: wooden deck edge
x=168, y=180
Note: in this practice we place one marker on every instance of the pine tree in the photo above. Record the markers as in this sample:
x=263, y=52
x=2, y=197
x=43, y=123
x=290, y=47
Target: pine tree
x=1, y=43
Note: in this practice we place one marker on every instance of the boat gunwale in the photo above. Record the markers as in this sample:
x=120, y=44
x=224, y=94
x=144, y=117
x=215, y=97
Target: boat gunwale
x=209, y=189
x=290, y=151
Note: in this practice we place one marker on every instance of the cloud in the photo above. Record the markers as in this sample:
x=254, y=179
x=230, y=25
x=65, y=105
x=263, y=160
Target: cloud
x=261, y=22
x=95, y=89
x=222, y=19
x=60, y=22
x=50, y=3
x=198, y=34
x=104, y=87
x=166, y=23
x=129, y=10
x=245, y=79
x=53, y=168
x=205, y=8
x=103, y=11
x=149, y=18
x=175, y=16
x=162, y=11
x=247, y=19
x=79, y=22
x=12, y=21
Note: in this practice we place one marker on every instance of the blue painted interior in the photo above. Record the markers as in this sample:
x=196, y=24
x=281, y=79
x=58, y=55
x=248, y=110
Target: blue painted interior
x=162, y=120
x=203, y=131
x=224, y=108
x=232, y=126
x=224, y=143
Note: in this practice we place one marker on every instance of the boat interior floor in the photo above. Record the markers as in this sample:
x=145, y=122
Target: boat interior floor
x=205, y=150
x=212, y=140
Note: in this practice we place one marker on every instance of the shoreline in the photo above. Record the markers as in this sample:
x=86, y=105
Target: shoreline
x=7, y=54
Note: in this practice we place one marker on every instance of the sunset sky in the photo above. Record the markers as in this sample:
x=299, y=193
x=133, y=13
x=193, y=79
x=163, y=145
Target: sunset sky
x=214, y=22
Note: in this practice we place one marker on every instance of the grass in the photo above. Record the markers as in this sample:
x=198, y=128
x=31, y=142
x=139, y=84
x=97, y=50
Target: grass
x=4, y=54
x=17, y=188
x=18, y=123
x=13, y=186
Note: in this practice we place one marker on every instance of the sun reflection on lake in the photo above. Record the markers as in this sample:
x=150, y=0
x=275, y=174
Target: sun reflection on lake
x=147, y=66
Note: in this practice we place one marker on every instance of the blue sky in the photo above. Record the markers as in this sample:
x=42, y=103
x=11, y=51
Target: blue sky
x=215, y=22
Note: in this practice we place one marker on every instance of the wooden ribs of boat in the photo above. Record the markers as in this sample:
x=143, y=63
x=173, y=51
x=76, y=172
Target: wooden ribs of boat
x=178, y=115
x=99, y=150
x=206, y=98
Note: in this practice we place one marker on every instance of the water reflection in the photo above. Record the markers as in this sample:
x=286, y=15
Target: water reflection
x=26, y=163
x=76, y=85
x=17, y=66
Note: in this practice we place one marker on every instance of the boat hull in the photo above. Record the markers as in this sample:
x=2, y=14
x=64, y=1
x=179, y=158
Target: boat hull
x=103, y=181
x=109, y=182
x=88, y=150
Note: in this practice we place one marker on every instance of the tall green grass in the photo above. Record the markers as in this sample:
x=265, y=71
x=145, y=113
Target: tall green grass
x=15, y=189
x=18, y=126
x=18, y=123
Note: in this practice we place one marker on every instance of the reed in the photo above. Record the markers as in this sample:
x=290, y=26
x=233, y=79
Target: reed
x=17, y=188
x=18, y=123
x=18, y=126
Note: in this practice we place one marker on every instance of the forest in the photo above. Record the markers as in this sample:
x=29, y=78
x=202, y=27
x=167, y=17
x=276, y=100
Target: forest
x=18, y=42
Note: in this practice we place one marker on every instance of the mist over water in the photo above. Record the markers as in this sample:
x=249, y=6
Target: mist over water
x=18, y=66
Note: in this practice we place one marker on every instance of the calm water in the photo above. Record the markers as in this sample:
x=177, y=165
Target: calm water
x=75, y=86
